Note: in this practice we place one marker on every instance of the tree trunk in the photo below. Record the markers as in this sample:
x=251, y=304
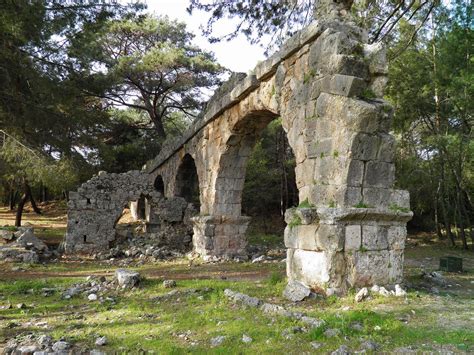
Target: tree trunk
x=19, y=211
x=13, y=198
x=32, y=200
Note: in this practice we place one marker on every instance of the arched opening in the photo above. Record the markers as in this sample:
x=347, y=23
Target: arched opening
x=159, y=184
x=270, y=183
x=256, y=176
x=187, y=181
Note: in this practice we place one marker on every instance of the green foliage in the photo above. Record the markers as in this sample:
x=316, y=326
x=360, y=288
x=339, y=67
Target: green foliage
x=397, y=208
x=431, y=88
x=151, y=65
x=295, y=221
x=306, y=204
x=361, y=204
x=270, y=186
x=368, y=94
x=332, y=204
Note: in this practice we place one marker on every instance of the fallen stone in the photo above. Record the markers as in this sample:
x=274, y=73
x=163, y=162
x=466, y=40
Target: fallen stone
x=45, y=340
x=400, y=292
x=21, y=306
x=6, y=234
x=169, y=283
x=369, y=345
x=342, y=350
x=384, y=292
x=101, y=341
x=217, y=340
x=92, y=297
x=27, y=349
x=246, y=339
x=295, y=291
x=331, y=333
x=240, y=297
x=127, y=278
x=362, y=294
x=28, y=240
x=375, y=288
x=258, y=259
x=312, y=322
x=61, y=346
x=315, y=345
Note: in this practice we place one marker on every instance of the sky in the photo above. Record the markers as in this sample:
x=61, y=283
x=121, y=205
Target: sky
x=237, y=55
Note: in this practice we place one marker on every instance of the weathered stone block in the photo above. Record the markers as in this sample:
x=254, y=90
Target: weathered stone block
x=367, y=268
x=374, y=237
x=395, y=267
x=353, y=238
x=365, y=147
x=345, y=85
x=396, y=236
x=376, y=197
x=379, y=174
x=315, y=237
x=400, y=199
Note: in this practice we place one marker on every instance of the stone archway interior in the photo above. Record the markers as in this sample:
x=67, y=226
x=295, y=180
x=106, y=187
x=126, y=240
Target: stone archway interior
x=187, y=181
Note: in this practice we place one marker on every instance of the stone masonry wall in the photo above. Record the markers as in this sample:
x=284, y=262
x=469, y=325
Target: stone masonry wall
x=97, y=205
x=326, y=83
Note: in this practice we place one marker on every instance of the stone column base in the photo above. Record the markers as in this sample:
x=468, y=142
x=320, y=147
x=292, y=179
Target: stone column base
x=335, y=249
x=220, y=236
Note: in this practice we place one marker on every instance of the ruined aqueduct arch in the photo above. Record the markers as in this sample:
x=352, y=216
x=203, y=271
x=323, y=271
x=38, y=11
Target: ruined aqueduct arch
x=326, y=84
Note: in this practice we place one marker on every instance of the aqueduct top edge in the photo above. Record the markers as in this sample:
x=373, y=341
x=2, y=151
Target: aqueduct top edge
x=240, y=85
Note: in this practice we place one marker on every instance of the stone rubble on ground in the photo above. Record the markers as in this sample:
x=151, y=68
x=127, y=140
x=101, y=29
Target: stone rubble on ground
x=23, y=246
x=274, y=309
x=362, y=294
x=217, y=340
x=169, y=283
x=246, y=339
x=101, y=341
x=127, y=278
x=295, y=291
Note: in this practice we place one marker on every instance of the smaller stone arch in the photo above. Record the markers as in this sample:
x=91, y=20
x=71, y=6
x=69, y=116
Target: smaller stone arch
x=96, y=207
x=187, y=181
x=159, y=184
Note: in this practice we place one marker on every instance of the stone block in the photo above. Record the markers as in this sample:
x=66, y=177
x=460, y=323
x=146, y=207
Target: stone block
x=367, y=268
x=365, y=147
x=376, y=197
x=400, y=199
x=396, y=236
x=387, y=148
x=308, y=267
x=374, y=237
x=320, y=148
x=353, y=237
x=315, y=237
x=379, y=174
x=355, y=173
x=375, y=55
x=345, y=85
x=395, y=267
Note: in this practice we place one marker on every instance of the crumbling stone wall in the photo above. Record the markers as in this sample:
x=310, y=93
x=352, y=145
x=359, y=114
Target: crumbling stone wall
x=95, y=208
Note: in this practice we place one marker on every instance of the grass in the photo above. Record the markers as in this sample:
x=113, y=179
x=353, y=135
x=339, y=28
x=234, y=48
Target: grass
x=187, y=322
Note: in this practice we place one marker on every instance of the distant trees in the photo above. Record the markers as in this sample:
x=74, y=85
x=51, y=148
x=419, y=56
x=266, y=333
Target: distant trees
x=431, y=87
x=89, y=86
x=149, y=64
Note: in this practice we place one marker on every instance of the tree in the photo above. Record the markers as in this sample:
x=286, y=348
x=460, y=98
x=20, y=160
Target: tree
x=149, y=64
x=431, y=87
x=275, y=21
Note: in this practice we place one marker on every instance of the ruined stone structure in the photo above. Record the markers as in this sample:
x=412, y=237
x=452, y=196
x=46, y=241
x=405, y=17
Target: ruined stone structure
x=326, y=84
x=93, y=211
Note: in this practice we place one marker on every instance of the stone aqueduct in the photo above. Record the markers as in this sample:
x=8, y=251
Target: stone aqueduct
x=326, y=84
